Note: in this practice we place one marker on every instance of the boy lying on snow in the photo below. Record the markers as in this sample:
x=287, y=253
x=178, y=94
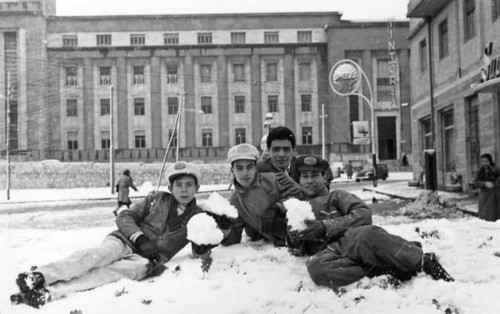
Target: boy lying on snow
x=148, y=235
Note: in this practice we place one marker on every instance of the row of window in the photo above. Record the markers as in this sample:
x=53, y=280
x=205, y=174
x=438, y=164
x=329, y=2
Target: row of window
x=173, y=105
x=206, y=136
x=173, y=38
x=469, y=27
x=138, y=77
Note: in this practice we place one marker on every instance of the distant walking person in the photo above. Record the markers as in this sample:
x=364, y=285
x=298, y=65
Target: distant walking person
x=404, y=160
x=488, y=183
x=348, y=170
x=122, y=187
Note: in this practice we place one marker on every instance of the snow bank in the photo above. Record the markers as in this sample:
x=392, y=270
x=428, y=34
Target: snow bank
x=218, y=205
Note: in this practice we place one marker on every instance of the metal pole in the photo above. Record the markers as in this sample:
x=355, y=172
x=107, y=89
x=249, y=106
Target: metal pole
x=7, y=135
x=323, y=131
x=178, y=131
x=111, y=143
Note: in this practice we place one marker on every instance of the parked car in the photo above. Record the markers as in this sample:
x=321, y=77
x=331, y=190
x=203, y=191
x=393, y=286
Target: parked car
x=367, y=174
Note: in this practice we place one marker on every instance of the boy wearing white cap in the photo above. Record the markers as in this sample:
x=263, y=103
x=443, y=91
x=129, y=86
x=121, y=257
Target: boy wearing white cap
x=149, y=234
x=255, y=198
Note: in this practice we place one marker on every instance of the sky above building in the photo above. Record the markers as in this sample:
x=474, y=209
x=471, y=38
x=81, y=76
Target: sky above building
x=351, y=9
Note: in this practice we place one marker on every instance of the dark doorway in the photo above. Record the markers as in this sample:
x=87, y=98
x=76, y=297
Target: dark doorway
x=387, y=142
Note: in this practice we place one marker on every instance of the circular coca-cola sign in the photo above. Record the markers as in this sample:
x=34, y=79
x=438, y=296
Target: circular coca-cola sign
x=344, y=77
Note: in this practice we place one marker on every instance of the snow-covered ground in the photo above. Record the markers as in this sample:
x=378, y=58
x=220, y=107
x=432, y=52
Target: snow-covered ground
x=255, y=277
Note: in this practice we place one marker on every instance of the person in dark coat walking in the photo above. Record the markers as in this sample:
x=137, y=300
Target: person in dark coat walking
x=122, y=187
x=354, y=248
x=348, y=170
x=488, y=183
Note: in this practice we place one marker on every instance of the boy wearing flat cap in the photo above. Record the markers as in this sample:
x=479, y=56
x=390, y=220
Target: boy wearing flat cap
x=354, y=247
x=149, y=234
x=255, y=197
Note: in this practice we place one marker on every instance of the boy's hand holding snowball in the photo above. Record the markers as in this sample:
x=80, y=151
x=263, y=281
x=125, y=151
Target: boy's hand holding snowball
x=206, y=230
x=301, y=221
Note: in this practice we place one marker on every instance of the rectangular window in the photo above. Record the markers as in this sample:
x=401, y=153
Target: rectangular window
x=304, y=71
x=473, y=131
x=206, y=73
x=140, y=139
x=71, y=108
x=105, y=75
x=307, y=135
x=423, y=55
x=206, y=138
x=240, y=136
x=304, y=36
x=103, y=40
x=271, y=72
x=204, y=38
x=239, y=72
x=71, y=76
x=105, y=106
x=171, y=38
x=172, y=75
x=495, y=10
x=206, y=104
x=138, y=75
x=72, y=140
x=173, y=105
x=174, y=140
x=238, y=38
x=426, y=134
x=105, y=140
x=137, y=39
x=384, y=88
x=448, y=140
x=139, y=109
x=469, y=19
x=305, y=103
x=443, y=39
x=70, y=40
x=239, y=104
x=271, y=37
x=272, y=103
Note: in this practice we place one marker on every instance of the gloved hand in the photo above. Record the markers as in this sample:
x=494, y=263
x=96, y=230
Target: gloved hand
x=201, y=249
x=146, y=249
x=315, y=230
x=222, y=221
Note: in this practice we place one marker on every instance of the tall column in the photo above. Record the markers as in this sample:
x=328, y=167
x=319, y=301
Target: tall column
x=156, y=114
x=121, y=108
x=88, y=104
x=223, y=100
x=189, y=123
x=289, y=82
x=256, y=99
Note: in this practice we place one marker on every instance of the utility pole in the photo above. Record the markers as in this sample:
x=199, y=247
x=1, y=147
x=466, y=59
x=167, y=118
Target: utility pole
x=7, y=136
x=111, y=143
x=323, y=116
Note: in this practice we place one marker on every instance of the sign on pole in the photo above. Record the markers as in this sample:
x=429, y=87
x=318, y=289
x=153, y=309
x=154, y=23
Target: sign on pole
x=361, y=132
x=344, y=78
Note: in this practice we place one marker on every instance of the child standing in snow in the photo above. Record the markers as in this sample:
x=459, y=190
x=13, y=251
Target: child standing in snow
x=149, y=234
x=255, y=198
x=354, y=247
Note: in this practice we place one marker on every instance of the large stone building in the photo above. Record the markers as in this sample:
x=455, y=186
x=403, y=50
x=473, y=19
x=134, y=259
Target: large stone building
x=228, y=72
x=454, y=119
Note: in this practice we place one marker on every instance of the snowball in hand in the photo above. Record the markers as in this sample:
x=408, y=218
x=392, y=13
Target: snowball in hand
x=218, y=205
x=202, y=229
x=296, y=212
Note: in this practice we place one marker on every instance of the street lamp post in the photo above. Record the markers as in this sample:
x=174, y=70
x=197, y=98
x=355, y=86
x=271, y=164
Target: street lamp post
x=323, y=116
x=111, y=143
x=345, y=78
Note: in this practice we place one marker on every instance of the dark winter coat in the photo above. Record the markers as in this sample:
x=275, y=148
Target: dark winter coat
x=156, y=216
x=122, y=187
x=255, y=206
x=489, y=199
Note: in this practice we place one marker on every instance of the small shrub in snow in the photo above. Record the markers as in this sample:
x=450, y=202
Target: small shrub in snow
x=296, y=212
x=202, y=229
x=206, y=262
x=218, y=205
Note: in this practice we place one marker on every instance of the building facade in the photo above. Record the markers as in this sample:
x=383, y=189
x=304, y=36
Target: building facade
x=227, y=72
x=455, y=116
